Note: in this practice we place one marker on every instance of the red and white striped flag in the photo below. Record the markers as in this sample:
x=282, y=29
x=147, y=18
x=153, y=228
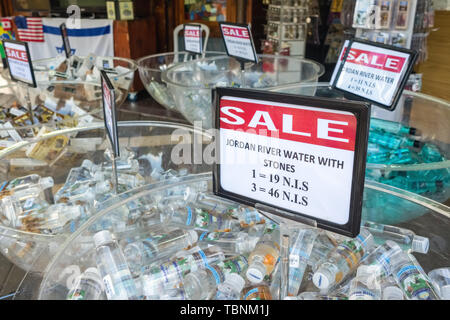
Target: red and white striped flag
x=30, y=29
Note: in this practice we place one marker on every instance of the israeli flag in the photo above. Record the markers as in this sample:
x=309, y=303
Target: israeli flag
x=93, y=36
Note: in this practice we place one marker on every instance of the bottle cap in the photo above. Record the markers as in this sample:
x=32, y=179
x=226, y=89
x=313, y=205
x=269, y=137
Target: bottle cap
x=420, y=244
x=46, y=182
x=323, y=278
x=87, y=164
x=236, y=281
x=102, y=237
x=192, y=236
x=392, y=293
x=256, y=272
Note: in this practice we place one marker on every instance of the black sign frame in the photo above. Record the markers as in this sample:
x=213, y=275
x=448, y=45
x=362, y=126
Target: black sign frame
x=113, y=136
x=65, y=39
x=349, y=95
x=361, y=111
x=30, y=63
x=242, y=60
x=200, y=39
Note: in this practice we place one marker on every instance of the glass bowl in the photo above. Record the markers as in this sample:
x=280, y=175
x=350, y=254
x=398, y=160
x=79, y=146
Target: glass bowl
x=149, y=154
x=191, y=83
x=77, y=253
x=152, y=66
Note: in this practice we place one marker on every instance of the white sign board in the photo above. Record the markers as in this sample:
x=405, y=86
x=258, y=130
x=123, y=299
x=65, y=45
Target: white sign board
x=238, y=42
x=19, y=62
x=292, y=154
x=374, y=72
x=193, y=38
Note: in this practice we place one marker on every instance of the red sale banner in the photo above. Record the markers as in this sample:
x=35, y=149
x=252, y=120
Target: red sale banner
x=192, y=33
x=375, y=60
x=295, y=123
x=236, y=32
x=16, y=54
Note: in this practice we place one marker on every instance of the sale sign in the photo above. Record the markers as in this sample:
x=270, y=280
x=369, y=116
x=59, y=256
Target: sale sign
x=193, y=38
x=238, y=41
x=19, y=62
x=374, y=72
x=109, y=112
x=302, y=155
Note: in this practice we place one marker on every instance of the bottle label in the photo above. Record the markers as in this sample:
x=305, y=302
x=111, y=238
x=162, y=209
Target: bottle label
x=189, y=217
x=362, y=295
x=204, y=219
x=414, y=283
x=219, y=276
x=235, y=265
x=252, y=294
x=109, y=288
x=77, y=295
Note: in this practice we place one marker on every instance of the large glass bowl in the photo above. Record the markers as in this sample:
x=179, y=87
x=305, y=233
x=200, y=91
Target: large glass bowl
x=191, y=83
x=152, y=66
x=48, y=86
x=55, y=153
x=77, y=253
x=430, y=115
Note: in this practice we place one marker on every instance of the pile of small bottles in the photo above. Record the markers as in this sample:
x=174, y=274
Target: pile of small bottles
x=30, y=204
x=17, y=124
x=211, y=249
x=87, y=69
x=391, y=143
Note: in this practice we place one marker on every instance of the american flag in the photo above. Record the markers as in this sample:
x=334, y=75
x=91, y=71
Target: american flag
x=30, y=29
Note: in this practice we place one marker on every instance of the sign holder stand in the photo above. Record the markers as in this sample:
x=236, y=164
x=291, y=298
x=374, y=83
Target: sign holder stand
x=284, y=272
x=114, y=170
x=109, y=117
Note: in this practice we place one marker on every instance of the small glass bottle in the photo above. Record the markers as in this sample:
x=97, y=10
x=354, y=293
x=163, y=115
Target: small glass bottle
x=366, y=285
x=117, y=279
x=300, y=250
x=342, y=260
x=256, y=292
x=89, y=286
x=231, y=288
x=234, y=242
x=392, y=127
x=411, y=278
x=263, y=259
x=202, y=219
x=406, y=238
x=142, y=252
x=441, y=280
